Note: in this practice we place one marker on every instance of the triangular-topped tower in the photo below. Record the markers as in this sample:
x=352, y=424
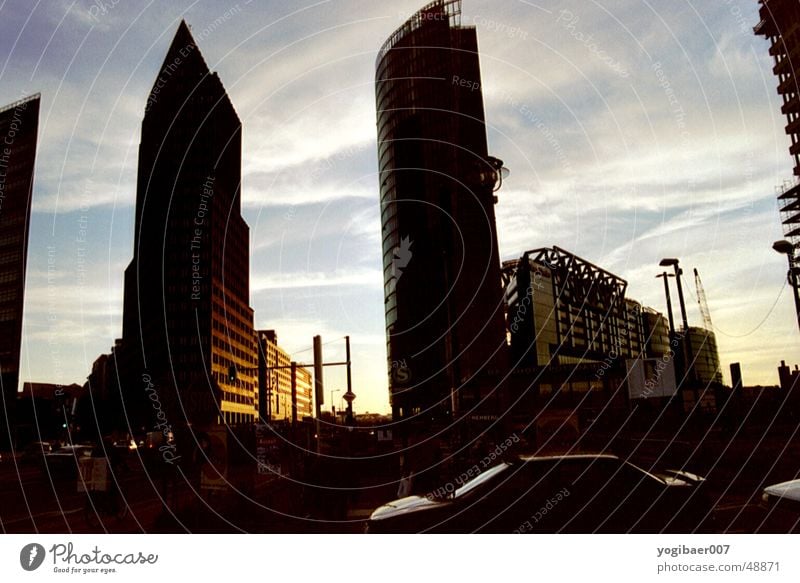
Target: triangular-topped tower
x=187, y=318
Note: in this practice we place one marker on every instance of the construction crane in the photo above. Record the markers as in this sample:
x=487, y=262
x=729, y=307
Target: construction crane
x=702, y=302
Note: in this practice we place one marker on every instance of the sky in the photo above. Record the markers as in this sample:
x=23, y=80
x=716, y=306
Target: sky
x=633, y=130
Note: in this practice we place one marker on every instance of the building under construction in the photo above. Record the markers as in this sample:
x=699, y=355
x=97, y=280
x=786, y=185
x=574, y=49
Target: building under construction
x=578, y=345
x=581, y=349
x=564, y=310
x=780, y=24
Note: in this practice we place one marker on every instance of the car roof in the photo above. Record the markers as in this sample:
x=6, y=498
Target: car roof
x=565, y=457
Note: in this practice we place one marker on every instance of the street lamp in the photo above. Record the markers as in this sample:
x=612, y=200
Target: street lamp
x=491, y=173
x=689, y=371
x=678, y=272
x=666, y=275
x=786, y=248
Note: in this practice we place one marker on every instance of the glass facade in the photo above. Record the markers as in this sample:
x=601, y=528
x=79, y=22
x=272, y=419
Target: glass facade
x=443, y=299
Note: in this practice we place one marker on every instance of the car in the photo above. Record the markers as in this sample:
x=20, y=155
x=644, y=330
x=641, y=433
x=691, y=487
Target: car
x=782, y=503
x=125, y=446
x=785, y=492
x=592, y=493
x=680, y=476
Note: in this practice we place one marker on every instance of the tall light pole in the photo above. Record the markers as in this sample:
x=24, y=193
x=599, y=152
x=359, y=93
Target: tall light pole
x=686, y=342
x=666, y=275
x=786, y=248
x=678, y=271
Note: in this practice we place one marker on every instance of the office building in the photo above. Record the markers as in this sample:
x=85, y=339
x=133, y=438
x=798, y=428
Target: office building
x=188, y=334
x=285, y=391
x=577, y=341
x=565, y=310
x=19, y=127
x=443, y=299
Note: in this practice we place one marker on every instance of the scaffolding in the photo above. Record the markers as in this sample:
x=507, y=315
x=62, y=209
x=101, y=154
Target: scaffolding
x=789, y=207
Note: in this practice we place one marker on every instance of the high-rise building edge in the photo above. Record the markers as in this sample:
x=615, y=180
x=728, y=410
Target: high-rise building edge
x=441, y=269
x=19, y=128
x=187, y=319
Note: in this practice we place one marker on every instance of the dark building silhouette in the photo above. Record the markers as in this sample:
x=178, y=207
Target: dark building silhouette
x=189, y=343
x=788, y=378
x=736, y=376
x=19, y=127
x=443, y=298
x=47, y=411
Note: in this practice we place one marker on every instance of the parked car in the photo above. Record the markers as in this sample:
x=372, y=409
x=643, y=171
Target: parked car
x=782, y=502
x=556, y=494
x=125, y=446
x=680, y=475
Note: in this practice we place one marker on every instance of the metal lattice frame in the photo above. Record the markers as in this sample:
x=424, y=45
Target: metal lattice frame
x=789, y=206
x=579, y=280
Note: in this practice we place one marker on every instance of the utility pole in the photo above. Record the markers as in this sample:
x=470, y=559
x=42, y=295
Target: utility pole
x=294, y=393
x=318, y=388
x=318, y=383
x=349, y=395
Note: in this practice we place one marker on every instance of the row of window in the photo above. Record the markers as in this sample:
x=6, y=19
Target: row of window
x=222, y=380
x=230, y=338
x=9, y=276
x=234, y=397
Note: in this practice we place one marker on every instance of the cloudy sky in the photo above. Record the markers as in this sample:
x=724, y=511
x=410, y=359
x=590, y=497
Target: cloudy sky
x=633, y=130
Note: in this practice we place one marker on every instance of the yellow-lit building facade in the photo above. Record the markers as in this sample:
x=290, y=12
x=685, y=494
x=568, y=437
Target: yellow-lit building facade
x=276, y=397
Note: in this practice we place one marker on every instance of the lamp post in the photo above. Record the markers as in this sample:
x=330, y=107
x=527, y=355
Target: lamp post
x=666, y=275
x=786, y=248
x=678, y=272
x=689, y=371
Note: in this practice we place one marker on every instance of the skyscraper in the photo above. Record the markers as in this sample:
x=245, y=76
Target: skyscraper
x=19, y=127
x=443, y=297
x=188, y=333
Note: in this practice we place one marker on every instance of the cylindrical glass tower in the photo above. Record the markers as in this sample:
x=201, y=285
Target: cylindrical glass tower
x=444, y=306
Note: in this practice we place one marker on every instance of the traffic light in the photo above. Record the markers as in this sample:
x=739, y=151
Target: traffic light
x=232, y=373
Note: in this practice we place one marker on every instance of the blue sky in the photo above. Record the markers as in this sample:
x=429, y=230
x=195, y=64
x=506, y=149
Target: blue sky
x=633, y=131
